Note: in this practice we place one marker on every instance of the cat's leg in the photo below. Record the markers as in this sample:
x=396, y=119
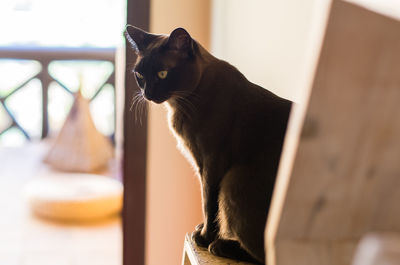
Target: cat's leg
x=207, y=232
x=230, y=249
x=243, y=205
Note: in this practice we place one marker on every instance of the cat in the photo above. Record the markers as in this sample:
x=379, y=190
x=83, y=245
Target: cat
x=229, y=128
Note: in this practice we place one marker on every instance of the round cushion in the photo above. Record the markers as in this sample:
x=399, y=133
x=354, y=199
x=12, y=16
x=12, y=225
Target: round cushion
x=74, y=197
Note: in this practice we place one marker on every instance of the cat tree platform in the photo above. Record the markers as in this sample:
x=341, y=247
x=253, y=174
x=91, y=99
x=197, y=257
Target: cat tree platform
x=194, y=255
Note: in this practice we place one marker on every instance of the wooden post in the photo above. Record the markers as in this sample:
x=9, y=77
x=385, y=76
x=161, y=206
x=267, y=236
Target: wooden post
x=134, y=153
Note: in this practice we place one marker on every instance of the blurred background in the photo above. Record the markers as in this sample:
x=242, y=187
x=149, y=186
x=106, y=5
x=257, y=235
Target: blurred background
x=66, y=124
x=50, y=36
x=65, y=211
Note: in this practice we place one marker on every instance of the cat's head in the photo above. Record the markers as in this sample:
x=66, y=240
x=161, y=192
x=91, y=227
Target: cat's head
x=166, y=66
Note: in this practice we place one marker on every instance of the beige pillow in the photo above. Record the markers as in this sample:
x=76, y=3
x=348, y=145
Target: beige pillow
x=74, y=196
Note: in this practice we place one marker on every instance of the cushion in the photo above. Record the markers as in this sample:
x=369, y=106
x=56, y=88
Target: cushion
x=74, y=196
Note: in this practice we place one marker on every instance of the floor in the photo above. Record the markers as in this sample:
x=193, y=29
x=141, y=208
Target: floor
x=28, y=240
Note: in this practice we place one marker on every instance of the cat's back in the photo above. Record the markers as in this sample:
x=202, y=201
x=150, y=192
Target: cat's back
x=247, y=100
x=221, y=76
x=259, y=117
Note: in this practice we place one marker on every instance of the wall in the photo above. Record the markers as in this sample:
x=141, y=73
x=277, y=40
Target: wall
x=173, y=191
x=267, y=40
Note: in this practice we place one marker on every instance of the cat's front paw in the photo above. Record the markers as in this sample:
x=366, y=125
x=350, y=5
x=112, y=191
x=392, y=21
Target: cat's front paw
x=231, y=249
x=200, y=237
x=216, y=248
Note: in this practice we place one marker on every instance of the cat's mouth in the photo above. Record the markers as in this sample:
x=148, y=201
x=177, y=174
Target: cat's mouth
x=156, y=99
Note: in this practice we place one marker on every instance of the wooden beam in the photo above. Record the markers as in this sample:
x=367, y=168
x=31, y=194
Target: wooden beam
x=134, y=153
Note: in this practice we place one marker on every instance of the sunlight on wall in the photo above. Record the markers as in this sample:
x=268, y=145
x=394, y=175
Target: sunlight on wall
x=268, y=43
x=173, y=192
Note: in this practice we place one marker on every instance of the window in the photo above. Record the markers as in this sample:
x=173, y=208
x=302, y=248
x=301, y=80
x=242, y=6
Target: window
x=47, y=48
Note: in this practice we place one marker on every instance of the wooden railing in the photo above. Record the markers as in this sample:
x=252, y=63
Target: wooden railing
x=45, y=55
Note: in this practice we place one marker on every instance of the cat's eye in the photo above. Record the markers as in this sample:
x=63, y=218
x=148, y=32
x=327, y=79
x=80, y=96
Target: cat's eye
x=138, y=75
x=162, y=74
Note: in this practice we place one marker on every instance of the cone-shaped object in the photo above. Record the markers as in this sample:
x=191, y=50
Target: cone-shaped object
x=79, y=147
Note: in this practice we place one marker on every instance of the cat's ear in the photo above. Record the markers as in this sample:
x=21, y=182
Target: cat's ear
x=139, y=39
x=179, y=39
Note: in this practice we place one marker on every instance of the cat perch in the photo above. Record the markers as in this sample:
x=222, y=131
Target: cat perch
x=194, y=255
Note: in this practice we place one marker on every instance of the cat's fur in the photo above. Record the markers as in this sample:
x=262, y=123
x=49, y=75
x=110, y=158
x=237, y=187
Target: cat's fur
x=231, y=128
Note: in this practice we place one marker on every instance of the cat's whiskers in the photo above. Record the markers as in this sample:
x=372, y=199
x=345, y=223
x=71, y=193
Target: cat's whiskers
x=135, y=99
x=142, y=109
x=139, y=106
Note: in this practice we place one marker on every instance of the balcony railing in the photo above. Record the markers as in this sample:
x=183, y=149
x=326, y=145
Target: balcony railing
x=45, y=56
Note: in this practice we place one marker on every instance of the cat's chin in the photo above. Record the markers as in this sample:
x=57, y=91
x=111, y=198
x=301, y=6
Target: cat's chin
x=156, y=100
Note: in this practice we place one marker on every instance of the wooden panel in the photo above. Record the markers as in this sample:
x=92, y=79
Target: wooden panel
x=134, y=153
x=344, y=180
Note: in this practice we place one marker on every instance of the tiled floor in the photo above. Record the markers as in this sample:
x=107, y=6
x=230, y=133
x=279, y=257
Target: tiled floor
x=28, y=240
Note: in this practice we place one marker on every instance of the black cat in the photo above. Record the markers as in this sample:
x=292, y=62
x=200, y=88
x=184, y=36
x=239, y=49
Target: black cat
x=230, y=129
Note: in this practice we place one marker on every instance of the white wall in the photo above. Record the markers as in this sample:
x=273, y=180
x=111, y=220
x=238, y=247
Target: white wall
x=268, y=40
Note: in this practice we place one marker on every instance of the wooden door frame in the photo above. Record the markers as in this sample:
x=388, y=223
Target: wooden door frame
x=134, y=153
